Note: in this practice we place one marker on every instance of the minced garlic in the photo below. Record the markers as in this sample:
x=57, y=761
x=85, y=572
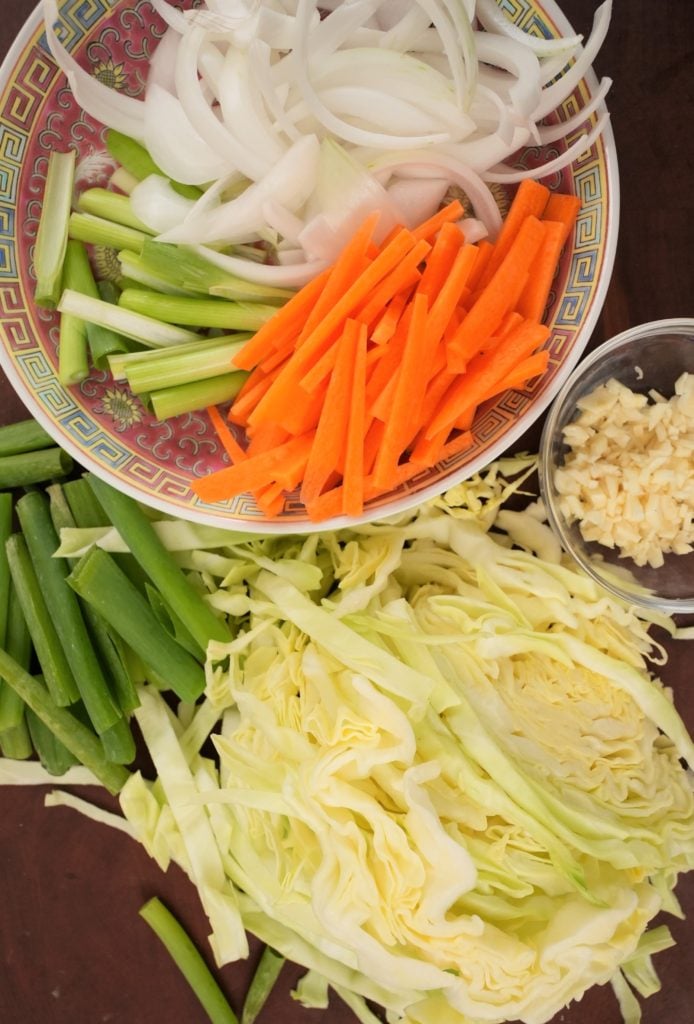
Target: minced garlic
x=628, y=477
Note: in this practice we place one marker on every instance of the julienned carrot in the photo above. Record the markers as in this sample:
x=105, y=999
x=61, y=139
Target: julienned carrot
x=353, y=475
x=408, y=394
x=530, y=200
x=331, y=433
x=286, y=319
x=383, y=374
x=494, y=302
x=485, y=370
x=231, y=446
x=428, y=229
x=534, y=296
x=563, y=209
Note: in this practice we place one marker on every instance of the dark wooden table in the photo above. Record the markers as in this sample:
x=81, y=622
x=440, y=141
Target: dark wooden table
x=72, y=948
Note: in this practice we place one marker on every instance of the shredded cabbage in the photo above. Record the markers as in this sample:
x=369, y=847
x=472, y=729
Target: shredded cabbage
x=444, y=777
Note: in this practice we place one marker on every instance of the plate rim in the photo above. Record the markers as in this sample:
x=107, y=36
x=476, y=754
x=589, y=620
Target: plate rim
x=410, y=500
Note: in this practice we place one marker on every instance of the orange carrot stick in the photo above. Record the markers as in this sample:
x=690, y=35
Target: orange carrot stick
x=485, y=248
x=353, y=475
x=229, y=443
x=331, y=432
x=385, y=328
x=488, y=311
x=401, y=277
x=440, y=260
x=530, y=200
x=254, y=473
x=428, y=228
x=533, y=299
x=518, y=377
x=247, y=399
x=564, y=209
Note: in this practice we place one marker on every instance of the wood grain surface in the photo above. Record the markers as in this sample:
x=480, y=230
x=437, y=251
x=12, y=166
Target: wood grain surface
x=72, y=947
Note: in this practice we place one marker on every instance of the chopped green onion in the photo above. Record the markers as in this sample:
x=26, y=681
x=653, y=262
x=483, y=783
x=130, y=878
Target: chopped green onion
x=19, y=646
x=113, y=206
x=97, y=579
x=27, y=468
x=266, y=974
x=24, y=436
x=52, y=235
x=72, y=733
x=49, y=650
x=5, y=532
x=16, y=743
x=53, y=755
x=171, y=367
x=189, y=961
x=85, y=227
x=118, y=743
x=197, y=394
x=137, y=161
x=135, y=326
x=138, y=533
x=42, y=540
x=198, y=312
x=189, y=271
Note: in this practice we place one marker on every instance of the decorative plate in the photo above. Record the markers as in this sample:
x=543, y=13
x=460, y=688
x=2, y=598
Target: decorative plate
x=99, y=422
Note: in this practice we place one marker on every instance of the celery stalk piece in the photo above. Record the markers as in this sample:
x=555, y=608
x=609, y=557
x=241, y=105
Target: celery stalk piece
x=124, y=180
x=73, y=361
x=24, y=436
x=171, y=367
x=135, y=269
x=97, y=579
x=189, y=961
x=266, y=974
x=85, y=227
x=188, y=270
x=198, y=312
x=136, y=326
x=27, y=468
x=137, y=161
x=113, y=206
x=103, y=341
x=18, y=644
x=42, y=540
x=78, y=739
x=196, y=394
x=120, y=363
x=52, y=235
x=107, y=644
x=49, y=650
x=175, y=588
x=53, y=755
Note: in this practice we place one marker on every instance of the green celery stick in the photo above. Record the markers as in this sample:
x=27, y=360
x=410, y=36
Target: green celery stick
x=107, y=643
x=78, y=739
x=16, y=743
x=189, y=271
x=19, y=646
x=137, y=326
x=137, y=161
x=24, y=436
x=37, y=526
x=197, y=312
x=119, y=363
x=97, y=579
x=137, y=272
x=103, y=341
x=113, y=206
x=85, y=227
x=171, y=367
x=49, y=650
x=266, y=974
x=27, y=468
x=175, y=588
x=169, y=402
x=124, y=181
x=189, y=961
x=73, y=362
x=53, y=755
x=52, y=235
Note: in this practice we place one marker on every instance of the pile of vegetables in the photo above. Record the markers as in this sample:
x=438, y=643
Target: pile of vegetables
x=425, y=758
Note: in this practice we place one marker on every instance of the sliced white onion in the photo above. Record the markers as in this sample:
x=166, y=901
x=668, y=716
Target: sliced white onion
x=290, y=182
x=243, y=111
x=287, y=225
x=175, y=145
x=522, y=63
x=552, y=133
x=473, y=230
x=508, y=176
x=428, y=165
x=416, y=199
x=274, y=96
x=555, y=94
x=376, y=108
x=493, y=19
x=174, y=18
x=158, y=205
x=291, y=276
x=162, y=65
x=123, y=113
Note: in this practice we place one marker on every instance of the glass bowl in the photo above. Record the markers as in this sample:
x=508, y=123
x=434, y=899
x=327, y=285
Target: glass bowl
x=650, y=356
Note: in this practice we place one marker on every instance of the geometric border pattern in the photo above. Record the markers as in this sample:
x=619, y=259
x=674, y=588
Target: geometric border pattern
x=106, y=427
